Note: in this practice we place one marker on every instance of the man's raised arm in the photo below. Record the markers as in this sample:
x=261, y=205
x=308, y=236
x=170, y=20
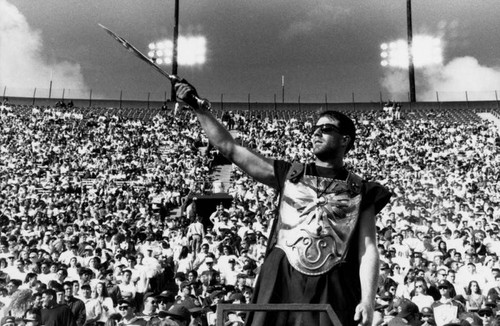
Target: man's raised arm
x=257, y=166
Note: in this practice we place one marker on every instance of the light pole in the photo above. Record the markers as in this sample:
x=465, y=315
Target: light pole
x=174, y=54
x=411, y=68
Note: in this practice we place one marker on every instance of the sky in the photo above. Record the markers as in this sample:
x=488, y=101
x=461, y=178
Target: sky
x=325, y=50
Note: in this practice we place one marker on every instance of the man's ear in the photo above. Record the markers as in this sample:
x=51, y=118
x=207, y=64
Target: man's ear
x=346, y=140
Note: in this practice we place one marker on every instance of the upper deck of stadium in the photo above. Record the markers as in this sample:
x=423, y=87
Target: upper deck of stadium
x=143, y=110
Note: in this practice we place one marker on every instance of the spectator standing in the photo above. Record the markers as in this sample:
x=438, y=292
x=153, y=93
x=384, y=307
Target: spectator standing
x=111, y=288
x=128, y=289
x=105, y=301
x=446, y=309
x=93, y=308
x=76, y=305
x=195, y=233
x=54, y=314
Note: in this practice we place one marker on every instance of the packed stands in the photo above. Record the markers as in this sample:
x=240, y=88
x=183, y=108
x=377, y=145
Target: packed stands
x=88, y=195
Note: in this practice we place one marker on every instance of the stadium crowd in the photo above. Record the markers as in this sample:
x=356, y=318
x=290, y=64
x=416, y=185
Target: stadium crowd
x=87, y=237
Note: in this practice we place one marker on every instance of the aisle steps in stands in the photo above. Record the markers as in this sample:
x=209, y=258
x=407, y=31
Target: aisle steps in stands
x=221, y=178
x=491, y=116
x=222, y=174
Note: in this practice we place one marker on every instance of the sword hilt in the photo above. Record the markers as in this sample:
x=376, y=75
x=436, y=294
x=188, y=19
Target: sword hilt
x=203, y=104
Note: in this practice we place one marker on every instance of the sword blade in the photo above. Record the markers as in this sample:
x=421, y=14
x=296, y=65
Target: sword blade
x=138, y=53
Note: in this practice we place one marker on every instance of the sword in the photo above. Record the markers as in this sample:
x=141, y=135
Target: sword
x=202, y=103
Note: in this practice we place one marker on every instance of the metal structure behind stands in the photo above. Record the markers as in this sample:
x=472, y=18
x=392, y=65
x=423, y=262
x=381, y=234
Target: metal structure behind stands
x=222, y=308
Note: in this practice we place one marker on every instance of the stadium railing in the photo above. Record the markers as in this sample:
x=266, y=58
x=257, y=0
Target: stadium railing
x=222, y=308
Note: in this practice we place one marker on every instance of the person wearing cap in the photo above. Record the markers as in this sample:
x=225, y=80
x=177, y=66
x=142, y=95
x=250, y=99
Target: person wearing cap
x=32, y=317
x=446, y=308
x=408, y=314
x=385, y=298
x=209, y=264
x=310, y=212
x=150, y=307
x=185, y=290
x=214, y=298
x=230, y=274
x=384, y=275
x=165, y=300
x=427, y=317
x=126, y=309
x=179, y=314
x=8, y=321
x=418, y=260
x=223, y=260
x=486, y=314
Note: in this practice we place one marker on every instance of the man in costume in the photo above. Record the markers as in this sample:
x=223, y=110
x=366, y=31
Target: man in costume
x=323, y=246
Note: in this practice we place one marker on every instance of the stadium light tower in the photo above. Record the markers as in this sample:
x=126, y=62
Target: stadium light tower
x=420, y=51
x=427, y=52
x=174, y=53
x=183, y=50
x=411, y=67
x=191, y=51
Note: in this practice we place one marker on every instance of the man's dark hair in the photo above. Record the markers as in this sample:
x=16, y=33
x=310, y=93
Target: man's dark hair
x=50, y=292
x=346, y=126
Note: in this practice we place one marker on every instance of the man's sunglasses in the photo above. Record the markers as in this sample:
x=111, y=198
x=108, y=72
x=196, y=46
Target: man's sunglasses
x=485, y=313
x=327, y=128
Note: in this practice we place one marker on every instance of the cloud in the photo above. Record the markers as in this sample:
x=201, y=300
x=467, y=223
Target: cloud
x=464, y=74
x=320, y=15
x=23, y=66
x=451, y=81
x=298, y=28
